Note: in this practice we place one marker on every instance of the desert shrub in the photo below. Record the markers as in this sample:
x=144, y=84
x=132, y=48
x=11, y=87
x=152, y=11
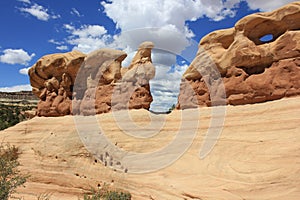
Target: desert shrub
x=10, y=177
x=172, y=108
x=11, y=115
x=113, y=195
x=105, y=194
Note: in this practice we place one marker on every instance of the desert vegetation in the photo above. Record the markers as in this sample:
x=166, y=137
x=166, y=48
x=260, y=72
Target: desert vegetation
x=10, y=115
x=10, y=177
x=106, y=194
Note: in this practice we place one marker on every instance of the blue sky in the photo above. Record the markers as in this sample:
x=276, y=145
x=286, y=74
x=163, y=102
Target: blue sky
x=33, y=28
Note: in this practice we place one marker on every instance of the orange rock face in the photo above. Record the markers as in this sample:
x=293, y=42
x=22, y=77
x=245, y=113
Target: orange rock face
x=249, y=69
x=52, y=79
x=75, y=83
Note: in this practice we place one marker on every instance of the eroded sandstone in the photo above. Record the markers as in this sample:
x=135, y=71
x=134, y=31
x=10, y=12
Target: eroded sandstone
x=249, y=70
x=52, y=79
x=75, y=83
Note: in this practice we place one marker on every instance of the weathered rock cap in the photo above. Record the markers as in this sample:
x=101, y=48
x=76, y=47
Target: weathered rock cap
x=54, y=65
x=98, y=57
x=103, y=65
x=143, y=54
x=242, y=46
x=146, y=45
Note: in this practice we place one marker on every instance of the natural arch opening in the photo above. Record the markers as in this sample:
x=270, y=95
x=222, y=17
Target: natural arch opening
x=266, y=38
x=165, y=86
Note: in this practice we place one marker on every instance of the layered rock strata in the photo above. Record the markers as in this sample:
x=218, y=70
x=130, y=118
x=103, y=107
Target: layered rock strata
x=240, y=61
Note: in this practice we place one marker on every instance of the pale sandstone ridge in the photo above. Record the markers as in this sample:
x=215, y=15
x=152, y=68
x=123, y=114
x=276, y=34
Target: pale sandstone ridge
x=251, y=70
x=256, y=157
x=75, y=83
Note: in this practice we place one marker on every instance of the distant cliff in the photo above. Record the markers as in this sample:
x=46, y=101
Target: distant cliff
x=25, y=97
x=16, y=107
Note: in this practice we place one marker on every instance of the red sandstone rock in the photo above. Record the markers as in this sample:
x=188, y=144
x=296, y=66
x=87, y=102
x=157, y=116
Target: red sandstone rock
x=108, y=89
x=73, y=83
x=52, y=79
x=233, y=66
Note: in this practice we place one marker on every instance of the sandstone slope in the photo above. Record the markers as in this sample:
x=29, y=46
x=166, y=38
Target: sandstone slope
x=257, y=156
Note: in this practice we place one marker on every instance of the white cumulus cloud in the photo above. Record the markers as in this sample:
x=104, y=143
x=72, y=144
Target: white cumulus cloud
x=38, y=11
x=267, y=5
x=24, y=71
x=87, y=37
x=16, y=88
x=55, y=42
x=16, y=56
x=62, y=48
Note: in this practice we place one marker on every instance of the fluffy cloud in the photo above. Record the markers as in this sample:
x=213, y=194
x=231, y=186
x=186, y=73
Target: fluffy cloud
x=162, y=21
x=16, y=56
x=140, y=14
x=62, y=48
x=267, y=5
x=55, y=42
x=38, y=11
x=88, y=37
x=59, y=45
x=16, y=88
x=24, y=71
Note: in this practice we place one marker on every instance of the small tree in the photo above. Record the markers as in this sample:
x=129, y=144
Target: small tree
x=172, y=108
x=10, y=177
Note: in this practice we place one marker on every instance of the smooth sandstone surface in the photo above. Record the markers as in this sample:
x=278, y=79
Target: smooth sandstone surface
x=250, y=70
x=256, y=157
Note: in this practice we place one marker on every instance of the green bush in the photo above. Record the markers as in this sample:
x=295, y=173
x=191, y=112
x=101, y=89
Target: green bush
x=113, y=195
x=10, y=115
x=105, y=194
x=10, y=178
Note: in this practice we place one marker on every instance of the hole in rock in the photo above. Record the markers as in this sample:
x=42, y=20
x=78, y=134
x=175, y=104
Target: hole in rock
x=164, y=89
x=165, y=86
x=266, y=38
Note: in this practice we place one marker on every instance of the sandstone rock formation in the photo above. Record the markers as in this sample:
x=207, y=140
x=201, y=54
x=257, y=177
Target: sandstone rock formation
x=52, y=79
x=134, y=89
x=75, y=83
x=95, y=81
x=251, y=70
